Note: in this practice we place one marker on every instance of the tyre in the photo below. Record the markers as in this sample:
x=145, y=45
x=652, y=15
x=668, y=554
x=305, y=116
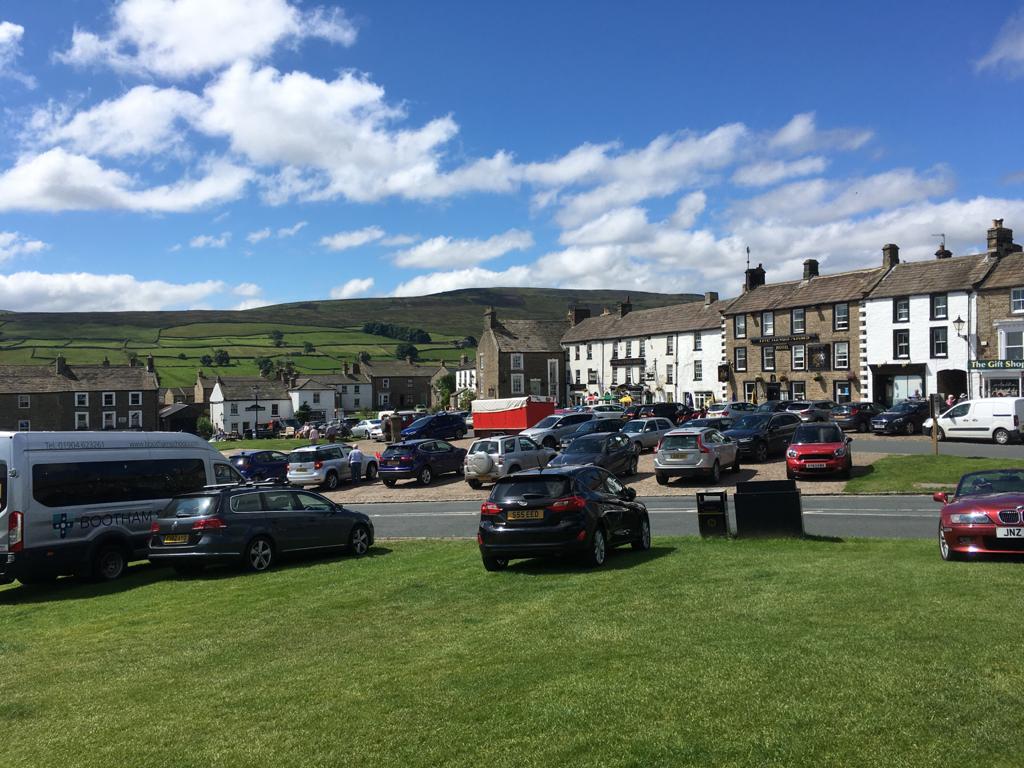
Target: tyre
x=638, y=448
x=661, y=477
x=514, y=468
x=259, y=555
x=790, y=475
x=644, y=542
x=494, y=563
x=476, y=485
x=940, y=435
x=598, y=551
x=1001, y=436
x=549, y=442
x=187, y=569
x=945, y=552
x=633, y=465
x=371, y=471
x=716, y=473
x=846, y=473
x=109, y=562
x=909, y=428
x=761, y=453
x=460, y=434
x=425, y=476
x=359, y=540
x=331, y=481
x=736, y=463
x=862, y=427
x=389, y=482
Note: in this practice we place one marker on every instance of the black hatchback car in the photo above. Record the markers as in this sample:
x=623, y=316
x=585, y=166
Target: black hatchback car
x=856, y=415
x=252, y=525
x=905, y=418
x=556, y=512
x=445, y=426
x=614, y=452
x=760, y=435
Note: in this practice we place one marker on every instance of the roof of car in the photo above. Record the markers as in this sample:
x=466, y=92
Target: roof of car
x=568, y=469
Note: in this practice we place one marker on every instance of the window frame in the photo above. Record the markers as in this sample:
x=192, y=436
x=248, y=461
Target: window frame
x=1017, y=300
x=132, y=415
x=767, y=319
x=802, y=364
x=896, y=344
x=768, y=351
x=698, y=370
x=932, y=340
x=516, y=361
x=670, y=345
x=81, y=399
x=736, y=359
x=835, y=316
x=739, y=326
x=135, y=399
x=78, y=417
x=803, y=321
x=698, y=341
x=803, y=390
x=517, y=379
x=24, y=402
x=897, y=301
x=835, y=355
x=113, y=400
x=931, y=306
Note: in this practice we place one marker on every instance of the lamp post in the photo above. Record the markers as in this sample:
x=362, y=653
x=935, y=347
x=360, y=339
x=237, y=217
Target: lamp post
x=958, y=326
x=256, y=413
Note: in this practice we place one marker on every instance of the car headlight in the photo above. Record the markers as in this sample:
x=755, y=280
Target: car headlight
x=746, y=439
x=840, y=451
x=970, y=518
x=791, y=453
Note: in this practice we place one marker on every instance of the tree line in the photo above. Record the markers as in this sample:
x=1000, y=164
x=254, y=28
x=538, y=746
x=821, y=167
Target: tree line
x=400, y=332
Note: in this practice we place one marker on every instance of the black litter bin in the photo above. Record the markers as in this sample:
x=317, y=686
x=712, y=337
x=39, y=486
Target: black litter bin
x=712, y=519
x=768, y=508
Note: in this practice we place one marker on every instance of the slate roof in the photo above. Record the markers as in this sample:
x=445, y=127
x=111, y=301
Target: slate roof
x=959, y=273
x=676, y=318
x=530, y=335
x=241, y=388
x=1007, y=273
x=825, y=289
x=399, y=368
x=26, y=379
x=336, y=379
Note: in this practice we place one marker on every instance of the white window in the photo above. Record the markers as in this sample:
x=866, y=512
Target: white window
x=798, y=389
x=901, y=310
x=615, y=375
x=669, y=375
x=590, y=352
x=517, y=384
x=516, y=361
x=841, y=317
x=81, y=420
x=768, y=358
x=698, y=370
x=24, y=425
x=700, y=399
x=1014, y=345
x=901, y=344
x=799, y=357
x=24, y=401
x=234, y=409
x=385, y=383
x=134, y=398
x=553, y=377
x=842, y=355
x=81, y=399
x=739, y=327
x=697, y=342
x=629, y=347
x=109, y=419
x=576, y=375
x=749, y=391
x=740, y=362
x=669, y=345
x=767, y=323
x=615, y=350
x=109, y=399
x=799, y=320
x=383, y=398
x=1017, y=300
x=135, y=419
x=316, y=398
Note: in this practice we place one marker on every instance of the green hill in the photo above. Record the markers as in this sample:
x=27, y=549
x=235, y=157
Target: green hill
x=179, y=339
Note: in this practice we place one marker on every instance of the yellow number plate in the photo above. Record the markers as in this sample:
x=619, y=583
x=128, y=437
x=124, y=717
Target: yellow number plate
x=176, y=539
x=526, y=514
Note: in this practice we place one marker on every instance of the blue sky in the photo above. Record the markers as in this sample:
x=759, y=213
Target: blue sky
x=164, y=154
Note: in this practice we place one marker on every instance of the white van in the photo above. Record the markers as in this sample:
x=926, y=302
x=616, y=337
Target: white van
x=83, y=502
x=989, y=418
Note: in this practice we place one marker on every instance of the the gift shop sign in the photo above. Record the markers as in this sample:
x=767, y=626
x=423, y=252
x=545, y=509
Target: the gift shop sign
x=997, y=365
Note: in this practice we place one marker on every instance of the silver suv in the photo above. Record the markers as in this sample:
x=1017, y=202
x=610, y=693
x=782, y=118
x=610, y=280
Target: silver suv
x=325, y=465
x=494, y=457
x=692, y=451
x=646, y=433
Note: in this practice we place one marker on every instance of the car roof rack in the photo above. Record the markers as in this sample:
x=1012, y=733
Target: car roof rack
x=246, y=484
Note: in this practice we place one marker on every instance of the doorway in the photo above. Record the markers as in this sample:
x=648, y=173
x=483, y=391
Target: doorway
x=772, y=391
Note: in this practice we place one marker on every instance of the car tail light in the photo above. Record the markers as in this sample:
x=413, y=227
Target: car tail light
x=490, y=508
x=1016, y=420
x=569, y=504
x=209, y=524
x=700, y=445
x=501, y=460
x=15, y=532
x=287, y=467
x=154, y=527
x=318, y=465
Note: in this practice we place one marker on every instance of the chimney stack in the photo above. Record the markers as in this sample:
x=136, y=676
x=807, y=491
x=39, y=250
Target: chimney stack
x=150, y=365
x=106, y=362
x=625, y=307
x=464, y=360
x=943, y=253
x=1000, y=240
x=293, y=382
x=578, y=314
x=344, y=368
x=753, y=277
x=408, y=359
x=710, y=297
x=355, y=369
x=490, y=318
x=890, y=255
x=810, y=268
x=61, y=366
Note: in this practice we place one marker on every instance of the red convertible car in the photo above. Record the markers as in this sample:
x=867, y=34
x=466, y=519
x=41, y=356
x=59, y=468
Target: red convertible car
x=985, y=516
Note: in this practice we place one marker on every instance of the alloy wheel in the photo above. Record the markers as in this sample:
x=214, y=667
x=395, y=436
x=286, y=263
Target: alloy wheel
x=261, y=554
x=360, y=541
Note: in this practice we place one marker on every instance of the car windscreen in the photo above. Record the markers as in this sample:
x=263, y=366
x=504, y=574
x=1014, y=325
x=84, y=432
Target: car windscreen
x=798, y=405
x=551, y=487
x=190, y=506
x=766, y=407
x=586, y=444
x=399, y=449
x=239, y=461
x=991, y=481
x=704, y=423
x=546, y=423
x=679, y=442
x=904, y=407
x=484, y=446
x=813, y=433
x=420, y=423
x=755, y=421
x=717, y=407
x=840, y=410
x=633, y=426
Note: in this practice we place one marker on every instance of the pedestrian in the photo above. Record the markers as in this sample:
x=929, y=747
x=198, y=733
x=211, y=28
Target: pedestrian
x=355, y=463
x=314, y=435
x=951, y=400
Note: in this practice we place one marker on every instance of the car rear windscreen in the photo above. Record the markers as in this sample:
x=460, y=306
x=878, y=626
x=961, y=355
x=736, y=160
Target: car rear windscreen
x=484, y=446
x=531, y=488
x=587, y=444
x=190, y=506
x=679, y=442
x=393, y=451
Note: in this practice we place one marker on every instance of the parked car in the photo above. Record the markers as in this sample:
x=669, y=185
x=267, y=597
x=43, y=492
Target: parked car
x=261, y=465
x=905, y=418
x=494, y=457
x=325, y=466
x=549, y=430
x=365, y=427
x=984, y=516
x=689, y=451
x=445, y=426
x=721, y=423
x=599, y=424
x=252, y=526
x=998, y=419
x=383, y=433
x=771, y=406
x=674, y=412
x=856, y=416
x=613, y=452
x=760, y=435
x=819, y=449
x=630, y=412
x=646, y=433
x=733, y=408
x=812, y=410
x=572, y=511
x=606, y=408
x=420, y=459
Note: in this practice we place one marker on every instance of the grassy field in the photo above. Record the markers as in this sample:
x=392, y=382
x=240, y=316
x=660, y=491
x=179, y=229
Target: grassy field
x=724, y=653
x=263, y=444
x=916, y=474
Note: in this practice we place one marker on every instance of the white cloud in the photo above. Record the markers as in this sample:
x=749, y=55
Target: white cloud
x=449, y=252
x=181, y=38
x=10, y=50
x=58, y=180
x=1007, y=51
x=353, y=287
x=688, y=209
x=622, y=225
x=249, y=290
x=88, y=292
x=174, y=248
x=765, y=172
x=292, y=230
x=342, y=241
x=801, y=134
x=399, y=240
x=439, y=282
x=16, y=244
x=251, y=304
x=259, y=234
x=210, y=241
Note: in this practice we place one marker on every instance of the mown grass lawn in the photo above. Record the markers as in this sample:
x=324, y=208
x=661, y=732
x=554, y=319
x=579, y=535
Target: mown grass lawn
x=725, y=653
x=915, y=474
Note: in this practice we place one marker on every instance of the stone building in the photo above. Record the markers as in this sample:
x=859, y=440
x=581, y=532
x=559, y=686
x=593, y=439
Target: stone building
x=521, y=357
x=798, y=339
x=997, y=364
x=400, y=384
x=63, y=397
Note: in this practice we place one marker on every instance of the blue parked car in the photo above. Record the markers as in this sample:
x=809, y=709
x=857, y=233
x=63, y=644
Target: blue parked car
x=420, y=459
x=261, y=465
x=446, y=426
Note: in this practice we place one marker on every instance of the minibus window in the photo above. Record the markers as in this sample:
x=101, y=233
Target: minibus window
x=3, y=485
x=104, y=482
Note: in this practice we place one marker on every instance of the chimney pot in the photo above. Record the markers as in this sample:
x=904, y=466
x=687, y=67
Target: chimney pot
x=753, y=277
x=490, y=318
x=710, y=297
x=1000, y=240
x=150, y=365
x=890, y=255
x=810, y=269
x=625, y=307
x=943, y=253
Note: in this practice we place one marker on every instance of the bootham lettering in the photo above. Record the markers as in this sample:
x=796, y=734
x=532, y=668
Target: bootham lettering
x=115, y=518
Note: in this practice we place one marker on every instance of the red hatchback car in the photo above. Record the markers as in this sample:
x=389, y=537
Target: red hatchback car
x=985, y=516
x=818, y=449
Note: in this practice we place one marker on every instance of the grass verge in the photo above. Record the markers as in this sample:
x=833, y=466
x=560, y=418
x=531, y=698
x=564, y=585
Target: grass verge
x=726, y=653
x=266, y=444
x=914, y=474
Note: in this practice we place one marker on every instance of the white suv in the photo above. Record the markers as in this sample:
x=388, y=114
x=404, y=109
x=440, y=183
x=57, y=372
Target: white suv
x=500, y=455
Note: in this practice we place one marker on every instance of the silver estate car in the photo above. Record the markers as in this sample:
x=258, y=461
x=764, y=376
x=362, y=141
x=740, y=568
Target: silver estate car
x=646, y=433
x=689, y=451
x=494, y=457
x=549, y=430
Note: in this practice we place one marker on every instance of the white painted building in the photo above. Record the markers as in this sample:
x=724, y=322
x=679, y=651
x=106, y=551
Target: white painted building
x=237, y=405
x=667, y=354
x=353, y=389
x=318, y=395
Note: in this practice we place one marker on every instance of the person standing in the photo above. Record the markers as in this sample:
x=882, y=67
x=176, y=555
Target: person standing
x=355, y=464
x=314, y=435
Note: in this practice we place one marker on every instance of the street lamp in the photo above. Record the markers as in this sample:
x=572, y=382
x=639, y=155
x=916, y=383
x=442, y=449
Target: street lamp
x=256, y=412
x=958, y=326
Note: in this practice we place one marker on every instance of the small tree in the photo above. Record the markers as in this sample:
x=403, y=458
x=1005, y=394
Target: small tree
x=307, y=347
x=466, y=399
x=303, y=412
x=445, y=390
x=266, y=366
x=182, y=356
x=204, y=427
x=221, y=357
x=405, y=349
x=206, y=360
x=364, y=357
x=277, y=337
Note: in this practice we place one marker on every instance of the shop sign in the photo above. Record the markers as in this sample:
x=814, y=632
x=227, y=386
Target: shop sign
x=997, y=365
x=785, y=341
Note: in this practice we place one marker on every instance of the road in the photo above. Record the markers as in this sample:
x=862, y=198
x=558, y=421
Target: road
x=918, y=445
x=903, y=517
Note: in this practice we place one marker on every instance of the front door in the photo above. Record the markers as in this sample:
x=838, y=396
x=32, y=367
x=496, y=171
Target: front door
x=773, y=391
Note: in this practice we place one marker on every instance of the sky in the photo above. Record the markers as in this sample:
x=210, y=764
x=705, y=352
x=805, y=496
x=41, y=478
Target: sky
x=174, y=154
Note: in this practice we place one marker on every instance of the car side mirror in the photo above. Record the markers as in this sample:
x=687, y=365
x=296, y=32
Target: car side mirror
x=941, y=497
x=629, y=494
x=849, y=440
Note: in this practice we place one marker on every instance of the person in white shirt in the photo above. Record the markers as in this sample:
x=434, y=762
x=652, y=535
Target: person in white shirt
x=314, y=435
x=355, y=463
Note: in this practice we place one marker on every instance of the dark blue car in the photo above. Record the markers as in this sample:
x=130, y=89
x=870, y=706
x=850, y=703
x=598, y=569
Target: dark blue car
x=261, y=465
x=446, y=426
x=420, y=459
